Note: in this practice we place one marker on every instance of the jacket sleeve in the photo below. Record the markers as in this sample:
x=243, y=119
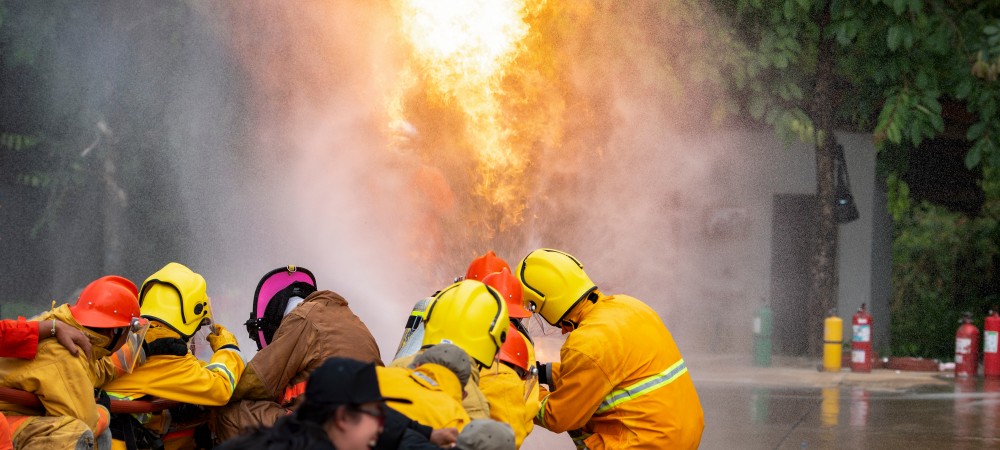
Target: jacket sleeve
x=582, y=385
x=185, y=379
x=273, y=367
x=18, y=338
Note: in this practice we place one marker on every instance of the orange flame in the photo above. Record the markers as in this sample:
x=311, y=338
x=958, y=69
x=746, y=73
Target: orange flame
x=460, y=51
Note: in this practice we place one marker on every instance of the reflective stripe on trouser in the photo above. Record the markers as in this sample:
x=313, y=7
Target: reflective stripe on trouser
x=578, y=437
x=50, y=432
x=643, y=387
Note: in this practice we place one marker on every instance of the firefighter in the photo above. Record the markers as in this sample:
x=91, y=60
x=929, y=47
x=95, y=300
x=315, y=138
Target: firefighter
x=69, y=416
x=175, y=301
x=434, y=386
x=473, y=317
x=510, y=385
x=296, y=327
x=611, y=387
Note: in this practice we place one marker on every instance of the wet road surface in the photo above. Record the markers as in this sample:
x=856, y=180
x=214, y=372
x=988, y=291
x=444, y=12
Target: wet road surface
x=798, y=407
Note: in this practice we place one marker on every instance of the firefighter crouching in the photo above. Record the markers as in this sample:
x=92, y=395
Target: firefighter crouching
x=473, y=317
x=296, y=328
x=607, y=391
x=175, y=301
x=69, y=416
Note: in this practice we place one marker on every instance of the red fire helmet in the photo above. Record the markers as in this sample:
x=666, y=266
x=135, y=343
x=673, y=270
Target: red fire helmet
x=510, y=289
x=107, y=302
x=485, y=265
x=515, y=350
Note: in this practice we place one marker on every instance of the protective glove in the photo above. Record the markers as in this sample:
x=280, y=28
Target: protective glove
x=221, y=338
x=544, y=373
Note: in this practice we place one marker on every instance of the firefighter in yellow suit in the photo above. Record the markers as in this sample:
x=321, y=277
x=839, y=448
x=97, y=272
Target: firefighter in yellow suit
x=69, y=417
x=175, y=301
x=621, y=382
x=473, y=317
x=510, y=385
x=434, y=386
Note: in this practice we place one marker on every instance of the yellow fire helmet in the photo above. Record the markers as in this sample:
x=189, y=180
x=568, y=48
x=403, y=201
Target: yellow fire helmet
x=470, y=315
x=175, y=296
x=554, y=282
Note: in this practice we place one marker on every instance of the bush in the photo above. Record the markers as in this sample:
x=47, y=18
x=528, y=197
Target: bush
x=944, y=263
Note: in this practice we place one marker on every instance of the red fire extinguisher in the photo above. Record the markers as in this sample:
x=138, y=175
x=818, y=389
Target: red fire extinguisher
x=967, y=348
x=861, y=341
x=991, y=335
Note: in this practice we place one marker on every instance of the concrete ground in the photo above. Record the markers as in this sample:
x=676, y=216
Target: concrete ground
x=792, y=405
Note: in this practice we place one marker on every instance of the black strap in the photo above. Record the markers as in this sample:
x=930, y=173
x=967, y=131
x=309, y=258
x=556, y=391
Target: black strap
x=165, y=346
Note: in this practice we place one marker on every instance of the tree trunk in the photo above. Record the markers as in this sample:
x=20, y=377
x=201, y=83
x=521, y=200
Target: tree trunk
x=824, y=260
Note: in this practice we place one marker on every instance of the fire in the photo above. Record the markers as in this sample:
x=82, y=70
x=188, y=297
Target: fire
x=459, y=54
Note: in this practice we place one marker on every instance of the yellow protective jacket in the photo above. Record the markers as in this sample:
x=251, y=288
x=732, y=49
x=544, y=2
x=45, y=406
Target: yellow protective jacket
x=63, y=383
x=181, y=378
x=622, y=382
x=434, y=390
x=475, y=402
x=505, y=392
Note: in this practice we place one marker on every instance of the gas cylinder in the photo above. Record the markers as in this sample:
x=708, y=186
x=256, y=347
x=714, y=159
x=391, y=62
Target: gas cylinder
x=991, y=336
x=833, y=342
x=861, y=341
x=762, y=327
x=966, y=348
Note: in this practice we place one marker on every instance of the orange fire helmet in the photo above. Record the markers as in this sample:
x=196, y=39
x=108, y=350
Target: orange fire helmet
x=515, y=351
x=107, y=302
x=485, y=265
x=510, y=289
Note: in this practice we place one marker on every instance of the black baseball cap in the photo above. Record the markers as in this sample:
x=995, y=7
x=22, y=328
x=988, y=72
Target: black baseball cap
x=345, y=381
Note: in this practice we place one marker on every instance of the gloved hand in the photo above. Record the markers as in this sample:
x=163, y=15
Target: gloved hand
x=102, y=398
x=222, y=338
x=544, y=373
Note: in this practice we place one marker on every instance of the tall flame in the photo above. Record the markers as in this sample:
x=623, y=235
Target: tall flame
x=460, y=52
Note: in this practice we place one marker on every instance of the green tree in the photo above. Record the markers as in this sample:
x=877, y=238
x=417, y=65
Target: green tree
x=809, y=67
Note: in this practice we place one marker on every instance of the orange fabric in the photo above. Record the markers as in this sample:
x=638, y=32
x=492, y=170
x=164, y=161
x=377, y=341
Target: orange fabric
x=293, y=392
x=103, y=419
x=18, y=338
x=5, y=442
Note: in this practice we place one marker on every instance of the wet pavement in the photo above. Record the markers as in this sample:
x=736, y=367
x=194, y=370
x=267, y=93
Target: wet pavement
x=794, y=406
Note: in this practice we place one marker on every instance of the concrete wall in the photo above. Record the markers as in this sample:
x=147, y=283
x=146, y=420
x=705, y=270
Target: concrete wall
x=722, y=237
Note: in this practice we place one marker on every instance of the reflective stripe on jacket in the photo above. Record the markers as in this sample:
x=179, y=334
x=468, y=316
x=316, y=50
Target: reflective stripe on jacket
x=623, y=381
x=181, y=378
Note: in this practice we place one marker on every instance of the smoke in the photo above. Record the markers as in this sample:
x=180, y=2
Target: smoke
x=608, y=99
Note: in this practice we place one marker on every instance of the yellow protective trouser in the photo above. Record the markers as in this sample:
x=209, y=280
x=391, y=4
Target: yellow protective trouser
x=51, y=433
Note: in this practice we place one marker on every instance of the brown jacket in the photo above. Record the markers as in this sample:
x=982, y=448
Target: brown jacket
x=321, y=327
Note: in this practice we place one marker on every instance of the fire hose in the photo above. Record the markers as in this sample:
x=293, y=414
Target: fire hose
x=30, y=400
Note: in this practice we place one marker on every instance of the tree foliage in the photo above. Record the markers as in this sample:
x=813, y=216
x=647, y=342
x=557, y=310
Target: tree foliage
x=898, y=63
